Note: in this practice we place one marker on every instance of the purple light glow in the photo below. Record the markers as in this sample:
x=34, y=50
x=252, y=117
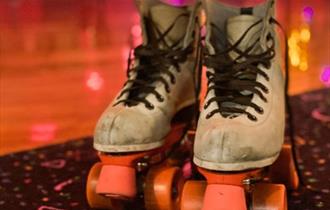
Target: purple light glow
x=325, y=75
x=308, y=13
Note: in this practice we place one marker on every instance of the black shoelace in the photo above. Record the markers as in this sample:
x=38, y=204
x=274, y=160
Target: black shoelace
x=154, y=64
x=232, y=77
x=268, y=54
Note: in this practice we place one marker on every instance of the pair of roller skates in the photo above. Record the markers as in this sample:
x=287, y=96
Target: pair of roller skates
x=165, y=179
x=145, y=148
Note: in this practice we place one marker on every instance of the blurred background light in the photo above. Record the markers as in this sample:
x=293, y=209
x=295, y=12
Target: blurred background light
x=298, y=47
x=308, y=13
x=94, y=81
x=43, y=132
x=325, y=75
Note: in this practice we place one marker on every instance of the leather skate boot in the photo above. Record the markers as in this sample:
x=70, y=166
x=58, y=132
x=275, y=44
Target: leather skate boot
x=241, y=125
x=160, y=81
x=140, y=135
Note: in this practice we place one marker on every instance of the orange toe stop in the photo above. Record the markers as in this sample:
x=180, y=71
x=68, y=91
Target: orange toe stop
x=117, y=181
x=224, y=197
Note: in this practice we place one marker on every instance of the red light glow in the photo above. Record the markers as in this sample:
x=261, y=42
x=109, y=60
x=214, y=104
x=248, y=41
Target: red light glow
x=94, y=81
x=136, y=30
x=43, y=132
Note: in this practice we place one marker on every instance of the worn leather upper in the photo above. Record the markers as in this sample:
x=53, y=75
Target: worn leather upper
x=123, y=128
x=237, y=142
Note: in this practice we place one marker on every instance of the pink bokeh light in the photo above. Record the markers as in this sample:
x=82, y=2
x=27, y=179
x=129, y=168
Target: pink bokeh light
x=43, y=132
x=325, y=75
x=94, y=81
x=308, y=13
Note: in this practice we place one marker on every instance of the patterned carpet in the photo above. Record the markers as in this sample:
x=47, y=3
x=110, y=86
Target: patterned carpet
x=53, y=178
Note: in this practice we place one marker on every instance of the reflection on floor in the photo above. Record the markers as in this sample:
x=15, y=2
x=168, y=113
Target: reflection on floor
x=62, y=63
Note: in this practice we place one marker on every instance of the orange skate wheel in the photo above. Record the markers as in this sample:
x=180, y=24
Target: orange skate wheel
x=269, y=196
x=95, y=200
x=163, y=188
x=192, y=195
x=283, y=170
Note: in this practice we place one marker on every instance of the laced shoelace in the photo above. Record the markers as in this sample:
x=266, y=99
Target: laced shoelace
x=290, y=116
x=154, y=64
x=232, y=77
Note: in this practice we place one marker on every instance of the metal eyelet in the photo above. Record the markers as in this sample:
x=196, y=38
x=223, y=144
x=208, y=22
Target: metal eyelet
x=208, y=116
x=269, y=36
x=140, y=166
x=264, y=98
x=206, y=105
x=260, y=110
x=267, y=78
x=266, y=90
x=149, y=106
x=160, y=98
x=267, y=65
x=252, y=117
x=173, y=80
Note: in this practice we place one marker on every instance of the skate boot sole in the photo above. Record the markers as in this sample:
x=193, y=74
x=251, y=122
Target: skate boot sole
x=240, y=166
x=128, y=148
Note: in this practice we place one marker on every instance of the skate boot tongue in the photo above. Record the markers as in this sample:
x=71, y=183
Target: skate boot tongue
x=237, y=26
x=164, y=32
x=163, y=16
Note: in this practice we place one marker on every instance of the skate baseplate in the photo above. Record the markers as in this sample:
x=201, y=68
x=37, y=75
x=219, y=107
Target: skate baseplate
x=122, y=176
x=166, y=188
x=253, y=189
